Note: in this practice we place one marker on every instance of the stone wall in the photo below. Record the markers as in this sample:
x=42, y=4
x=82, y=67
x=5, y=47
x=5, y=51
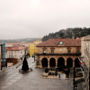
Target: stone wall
x=57, y=50
x=85, y=47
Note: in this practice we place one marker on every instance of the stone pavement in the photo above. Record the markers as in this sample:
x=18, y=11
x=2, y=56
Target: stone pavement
x=11, y=79
x=8, y=77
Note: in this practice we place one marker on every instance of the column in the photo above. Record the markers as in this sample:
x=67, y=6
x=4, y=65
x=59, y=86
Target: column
x=56, y=63
x=40, y=64
x=65, y=62
x=65, y=59
x=48, y=63
x=73, y=63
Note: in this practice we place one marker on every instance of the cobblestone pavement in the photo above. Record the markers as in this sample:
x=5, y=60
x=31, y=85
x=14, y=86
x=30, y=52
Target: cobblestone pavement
x=11, y=79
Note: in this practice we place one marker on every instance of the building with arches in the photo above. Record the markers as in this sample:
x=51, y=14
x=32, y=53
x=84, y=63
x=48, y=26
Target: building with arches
x=58, y=53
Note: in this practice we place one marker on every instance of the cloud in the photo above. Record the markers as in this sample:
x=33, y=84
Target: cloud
x=35, y=18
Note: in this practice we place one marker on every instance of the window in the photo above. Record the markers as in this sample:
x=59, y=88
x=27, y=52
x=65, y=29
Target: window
x=69, y=50
x=52, y=51
x=78, y=50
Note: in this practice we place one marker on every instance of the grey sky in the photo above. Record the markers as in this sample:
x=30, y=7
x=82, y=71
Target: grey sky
x=36, y=18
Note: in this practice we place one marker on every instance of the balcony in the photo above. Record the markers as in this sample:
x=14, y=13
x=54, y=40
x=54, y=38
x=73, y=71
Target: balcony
x=65, y=54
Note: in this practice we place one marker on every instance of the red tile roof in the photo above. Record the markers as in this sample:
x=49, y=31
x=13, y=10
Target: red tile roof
x=15, y=48
x=66, y=42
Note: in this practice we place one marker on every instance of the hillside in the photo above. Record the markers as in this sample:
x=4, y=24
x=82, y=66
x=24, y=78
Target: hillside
x=19, y=40
x=68, y=33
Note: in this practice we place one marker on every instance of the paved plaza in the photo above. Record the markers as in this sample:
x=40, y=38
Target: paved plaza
x=11, y=79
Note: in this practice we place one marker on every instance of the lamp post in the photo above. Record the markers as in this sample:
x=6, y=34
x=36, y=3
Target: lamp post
x=34, y=52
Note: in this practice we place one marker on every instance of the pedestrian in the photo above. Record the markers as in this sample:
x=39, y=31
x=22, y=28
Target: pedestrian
x=6, y=63
x=1, y=65
x=59, y=75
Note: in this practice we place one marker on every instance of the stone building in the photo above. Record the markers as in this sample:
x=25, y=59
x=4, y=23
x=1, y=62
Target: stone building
x=58, y=53
x=86, y=50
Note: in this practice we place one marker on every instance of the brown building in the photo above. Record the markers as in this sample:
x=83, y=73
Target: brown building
x=58, y=53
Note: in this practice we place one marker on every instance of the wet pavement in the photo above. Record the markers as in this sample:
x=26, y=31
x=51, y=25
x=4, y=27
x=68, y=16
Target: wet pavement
x=11, y=79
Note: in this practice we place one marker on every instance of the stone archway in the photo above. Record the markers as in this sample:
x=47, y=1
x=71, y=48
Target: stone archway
x=77, y=63
x=69, y=62
x=44, y=62
x=52, y=62
x=61, y=62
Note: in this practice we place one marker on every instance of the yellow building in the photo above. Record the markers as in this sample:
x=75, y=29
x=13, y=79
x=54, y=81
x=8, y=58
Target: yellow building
x=58, y=53
x=32, y=49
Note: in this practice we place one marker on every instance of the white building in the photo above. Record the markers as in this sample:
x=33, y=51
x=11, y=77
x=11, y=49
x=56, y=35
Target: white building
x=15, y=52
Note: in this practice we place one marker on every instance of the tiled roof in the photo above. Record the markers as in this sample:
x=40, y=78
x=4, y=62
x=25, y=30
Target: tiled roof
x=66, y=42
x=15, y=48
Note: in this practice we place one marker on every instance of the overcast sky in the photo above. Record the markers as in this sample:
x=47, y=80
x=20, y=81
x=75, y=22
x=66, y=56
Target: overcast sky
x=36, y=18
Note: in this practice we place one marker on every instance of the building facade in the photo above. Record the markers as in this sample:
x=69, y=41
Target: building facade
x=0, y=56
x=15, y=52
x=58, y=53
x=86, y=50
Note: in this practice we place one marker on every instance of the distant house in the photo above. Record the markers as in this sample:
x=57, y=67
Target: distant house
x=32, y=47
x=37, y=41
x=58, y=53
x=15, y=52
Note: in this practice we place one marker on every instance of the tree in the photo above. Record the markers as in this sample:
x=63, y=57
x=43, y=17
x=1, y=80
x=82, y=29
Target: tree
x=68, y=33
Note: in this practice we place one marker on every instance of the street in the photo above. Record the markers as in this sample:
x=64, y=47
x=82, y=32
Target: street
x=11, y=79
